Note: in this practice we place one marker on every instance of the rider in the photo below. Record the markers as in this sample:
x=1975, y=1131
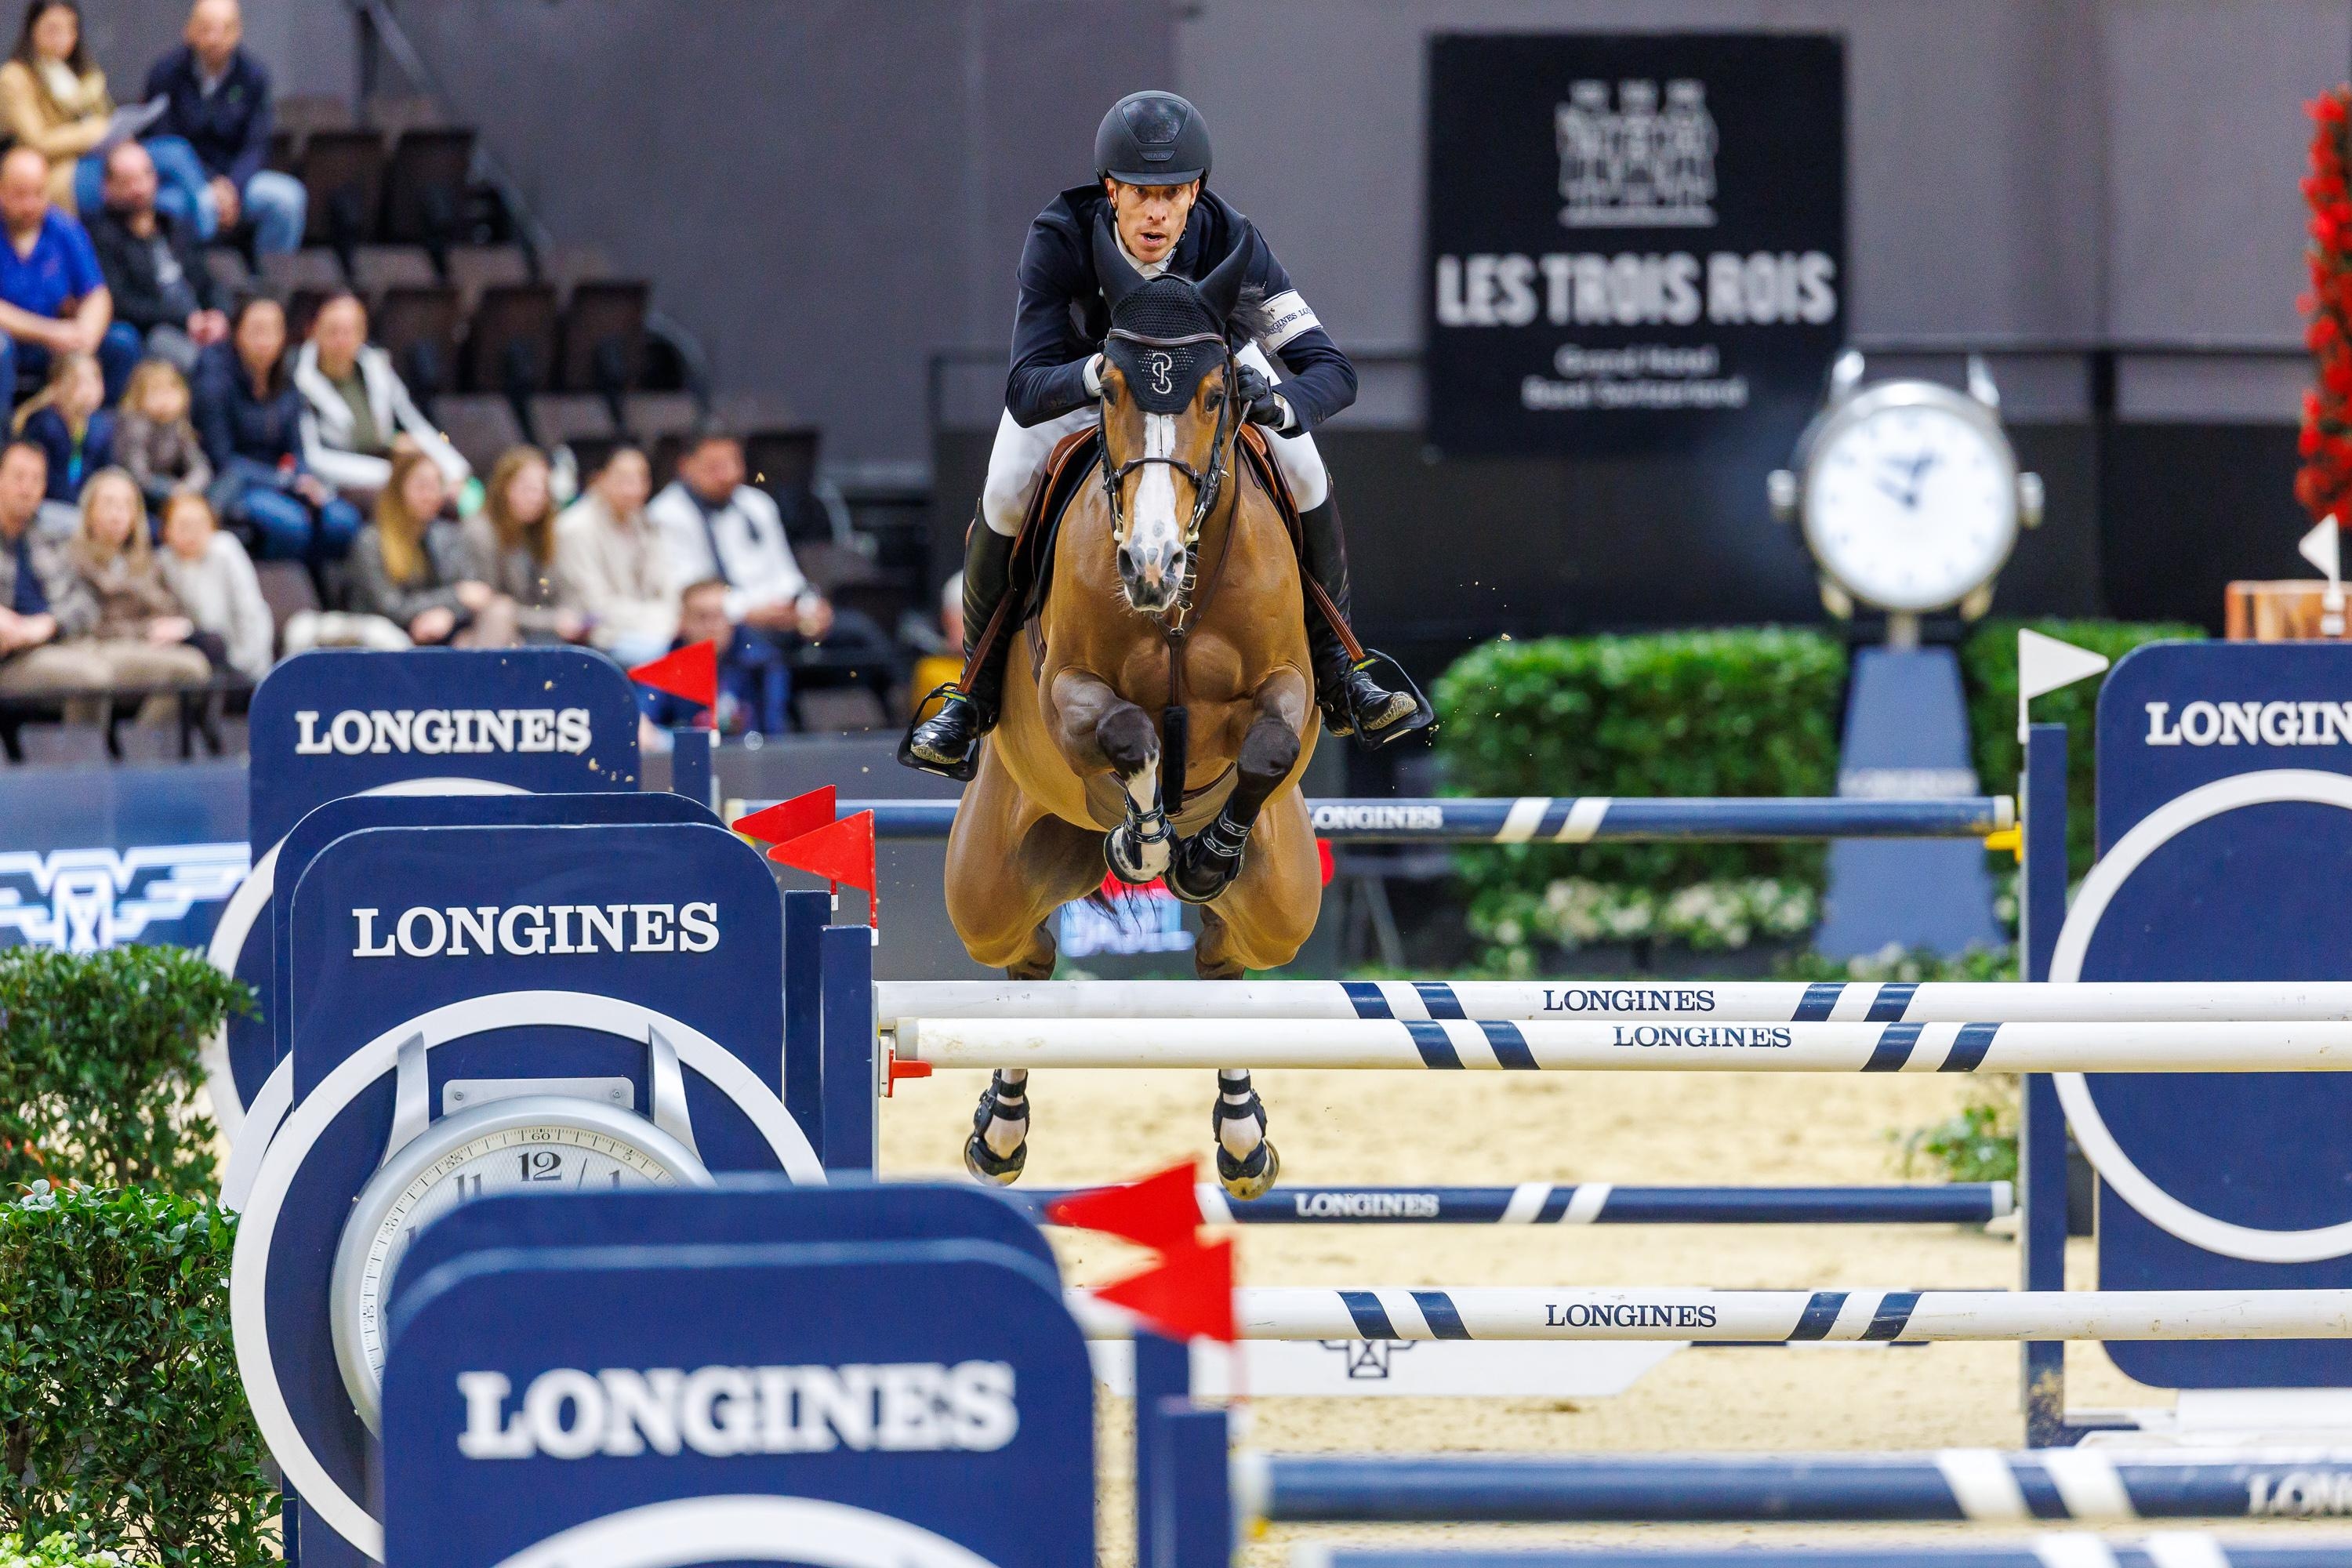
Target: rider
x=1151, y=168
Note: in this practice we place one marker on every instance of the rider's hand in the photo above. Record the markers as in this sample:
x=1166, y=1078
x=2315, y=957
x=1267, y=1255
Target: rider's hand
x=1260, y=404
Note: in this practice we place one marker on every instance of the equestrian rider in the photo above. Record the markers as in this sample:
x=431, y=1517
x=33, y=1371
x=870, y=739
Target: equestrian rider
x=1151, y=167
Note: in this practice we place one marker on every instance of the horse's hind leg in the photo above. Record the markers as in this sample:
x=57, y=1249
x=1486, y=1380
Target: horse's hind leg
x=1247, y=1164
x=1053, y=863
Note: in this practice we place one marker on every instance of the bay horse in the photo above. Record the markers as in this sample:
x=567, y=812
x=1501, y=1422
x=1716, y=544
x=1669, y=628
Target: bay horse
x=1173, y=608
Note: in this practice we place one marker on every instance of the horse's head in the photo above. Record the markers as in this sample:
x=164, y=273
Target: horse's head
x=1168, y=417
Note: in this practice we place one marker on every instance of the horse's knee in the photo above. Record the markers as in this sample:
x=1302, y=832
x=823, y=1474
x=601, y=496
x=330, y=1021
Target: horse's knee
x=1128, y=740
x=1268, y=753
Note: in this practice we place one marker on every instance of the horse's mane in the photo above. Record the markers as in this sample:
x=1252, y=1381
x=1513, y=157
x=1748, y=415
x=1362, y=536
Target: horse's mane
x=1250, y=319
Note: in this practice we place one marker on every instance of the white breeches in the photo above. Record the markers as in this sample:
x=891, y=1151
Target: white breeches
x=1018, y=460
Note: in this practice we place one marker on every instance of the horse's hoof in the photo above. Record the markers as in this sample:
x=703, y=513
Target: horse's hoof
x=1138, y=859
x=1251, y=1177
x=987, y=1165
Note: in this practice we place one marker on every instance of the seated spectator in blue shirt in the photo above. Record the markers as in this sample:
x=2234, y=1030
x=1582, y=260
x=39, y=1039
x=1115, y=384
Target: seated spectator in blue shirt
x=251, y=416
x=69, y=423
x=218, y=102
x=53, y=297
x=755, y=683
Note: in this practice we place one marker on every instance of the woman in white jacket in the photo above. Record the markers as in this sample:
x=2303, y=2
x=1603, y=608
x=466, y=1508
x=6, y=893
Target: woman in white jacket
x=355, y=407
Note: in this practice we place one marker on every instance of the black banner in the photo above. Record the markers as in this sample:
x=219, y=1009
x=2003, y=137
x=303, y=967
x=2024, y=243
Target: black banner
x=1636, y=241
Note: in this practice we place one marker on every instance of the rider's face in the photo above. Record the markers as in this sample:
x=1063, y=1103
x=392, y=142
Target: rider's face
x=1151, y=218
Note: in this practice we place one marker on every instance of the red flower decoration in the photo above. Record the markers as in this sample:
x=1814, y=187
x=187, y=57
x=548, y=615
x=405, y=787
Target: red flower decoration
x=2324, y=484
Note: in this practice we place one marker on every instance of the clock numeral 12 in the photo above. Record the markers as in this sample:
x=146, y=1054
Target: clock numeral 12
x=541, y=1165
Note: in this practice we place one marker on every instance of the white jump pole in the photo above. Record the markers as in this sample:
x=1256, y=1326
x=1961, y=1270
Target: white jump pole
x=1738, y=1001
x=1453, y=1043
x=1543, y=1312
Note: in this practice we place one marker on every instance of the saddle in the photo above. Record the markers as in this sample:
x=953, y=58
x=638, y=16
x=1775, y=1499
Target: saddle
x=1068, y=469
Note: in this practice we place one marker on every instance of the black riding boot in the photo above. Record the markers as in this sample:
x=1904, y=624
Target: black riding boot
x=1353, y=703
x=947, y=743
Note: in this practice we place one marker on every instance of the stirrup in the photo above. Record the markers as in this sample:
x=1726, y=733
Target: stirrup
x=984, y=1163
x=1423, y=717
x=1254, y=1175
x=963, y=771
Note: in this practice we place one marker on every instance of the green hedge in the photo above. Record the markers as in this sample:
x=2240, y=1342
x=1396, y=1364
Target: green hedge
x=59, y=1550
x=1678, y=714
x=99, y=1065
x=122, y=1421
x=1988, y=669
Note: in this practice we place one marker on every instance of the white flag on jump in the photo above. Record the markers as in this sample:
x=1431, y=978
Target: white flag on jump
x=2045, y=664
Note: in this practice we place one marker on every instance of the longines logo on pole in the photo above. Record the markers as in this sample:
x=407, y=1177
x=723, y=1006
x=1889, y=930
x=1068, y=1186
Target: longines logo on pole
x=1636, y=164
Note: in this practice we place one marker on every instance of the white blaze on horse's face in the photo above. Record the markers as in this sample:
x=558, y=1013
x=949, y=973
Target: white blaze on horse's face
x=1151, y=562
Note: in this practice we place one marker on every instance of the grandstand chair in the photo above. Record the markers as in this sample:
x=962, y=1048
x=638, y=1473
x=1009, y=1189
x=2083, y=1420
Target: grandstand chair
x=295, y=116
x=394, y=115
x=650, y=415
x=566, y=419
x=424, y=188
x=510, y=342
x=476, y=267
x=603, y=347
x=229, y=270
x=416, y=324
x=480, y=426
x=569, y=266
x=302, y=281
x=375, y=268
x=343, y=171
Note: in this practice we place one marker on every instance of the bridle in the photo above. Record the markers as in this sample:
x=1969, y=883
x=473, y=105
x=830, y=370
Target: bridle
x=1206, y=488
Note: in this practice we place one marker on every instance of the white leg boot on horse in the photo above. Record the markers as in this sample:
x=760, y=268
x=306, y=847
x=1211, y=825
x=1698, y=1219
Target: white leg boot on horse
x=998, y=1147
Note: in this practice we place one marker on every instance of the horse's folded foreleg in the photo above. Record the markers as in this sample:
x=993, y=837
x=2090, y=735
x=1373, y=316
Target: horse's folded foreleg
x=1207, y=863
x=1100, y=729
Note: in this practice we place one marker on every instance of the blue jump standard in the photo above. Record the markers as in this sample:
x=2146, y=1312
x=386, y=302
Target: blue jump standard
x=1601, y=1202
x=1568, y=819
x=1958, y=1484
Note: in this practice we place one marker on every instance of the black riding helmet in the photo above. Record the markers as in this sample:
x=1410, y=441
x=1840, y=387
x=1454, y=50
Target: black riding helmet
x=1153, y=139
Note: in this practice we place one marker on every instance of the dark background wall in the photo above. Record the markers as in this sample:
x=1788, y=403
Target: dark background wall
x=829, y=193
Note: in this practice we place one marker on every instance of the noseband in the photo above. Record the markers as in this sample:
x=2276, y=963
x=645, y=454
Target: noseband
x=1206, y=487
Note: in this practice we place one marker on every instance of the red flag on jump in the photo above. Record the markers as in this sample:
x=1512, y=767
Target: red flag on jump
x=1189, y=1294
x=692, y=674
x=840, y=852
x=1161, y=1211
x=789, y=819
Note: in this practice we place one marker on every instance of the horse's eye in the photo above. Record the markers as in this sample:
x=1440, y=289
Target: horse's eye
x=1214, y=401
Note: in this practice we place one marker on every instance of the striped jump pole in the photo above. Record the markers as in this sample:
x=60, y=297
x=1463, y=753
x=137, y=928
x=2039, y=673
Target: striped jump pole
x=1571, y=819
x=1977, y=1484
x=2175, y=1549
x=1730, y=1001
x=1597, y=1202
x=1580, y=1045
x=1760, y=1316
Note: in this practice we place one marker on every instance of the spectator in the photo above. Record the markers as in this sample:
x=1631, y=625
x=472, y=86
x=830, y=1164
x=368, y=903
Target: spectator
x=69, y=421
x=611, y=564
x=712, y=524
x=411, y=567
x=53, y=297
x=755, y=683
x=53, y=99
x=140, y=634
x=355, y=407
x=43, y=601
x=251, y=420
x=154, y=438
x=216, y=99
x=213, y=578
x=513, y=541
x=166, y=302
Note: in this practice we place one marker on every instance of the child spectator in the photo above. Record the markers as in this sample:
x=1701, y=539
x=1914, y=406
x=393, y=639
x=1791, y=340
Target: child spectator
x=141, y=633
x=612, y=564
x=513, y=541
x=411, y=567
x=251, y=420
x=155, y=440
x=68, y=419
x=210, y=574
x=755, y=682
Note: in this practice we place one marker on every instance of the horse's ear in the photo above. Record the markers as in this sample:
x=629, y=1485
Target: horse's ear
x=1221, y=291
x=1119, y=278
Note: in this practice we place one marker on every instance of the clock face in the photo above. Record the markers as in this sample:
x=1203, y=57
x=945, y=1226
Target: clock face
x=541, y=1144
x=1910, y=505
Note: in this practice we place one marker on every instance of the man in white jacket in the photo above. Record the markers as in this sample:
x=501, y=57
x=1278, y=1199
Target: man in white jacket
x=712, y=524
x=355, y=407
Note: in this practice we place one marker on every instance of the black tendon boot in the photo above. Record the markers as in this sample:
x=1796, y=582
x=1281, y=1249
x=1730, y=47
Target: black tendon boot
x=947, y=743
x=1353, y=703
x=1007, y=1102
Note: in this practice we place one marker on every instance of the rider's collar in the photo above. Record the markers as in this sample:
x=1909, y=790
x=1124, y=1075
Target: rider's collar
x=1149, y=269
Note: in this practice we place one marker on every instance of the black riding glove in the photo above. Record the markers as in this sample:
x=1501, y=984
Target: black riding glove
x=1259, y=404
